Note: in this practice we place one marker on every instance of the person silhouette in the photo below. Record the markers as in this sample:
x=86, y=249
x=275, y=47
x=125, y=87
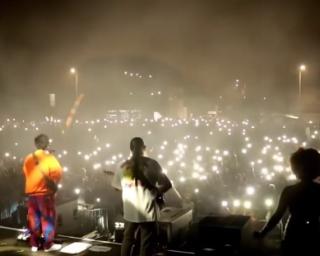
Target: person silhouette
x=302, y=232
x=42, y=173
x=141, y=181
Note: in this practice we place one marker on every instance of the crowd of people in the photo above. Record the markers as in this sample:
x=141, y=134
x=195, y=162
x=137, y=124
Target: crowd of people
x=222, y=165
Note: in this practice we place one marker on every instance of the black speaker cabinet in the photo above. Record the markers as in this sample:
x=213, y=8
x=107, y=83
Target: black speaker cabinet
x=215, y=231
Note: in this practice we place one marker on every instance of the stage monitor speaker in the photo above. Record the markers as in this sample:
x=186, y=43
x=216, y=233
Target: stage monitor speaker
x=215, y=232
x=174, y=224
x=75, y=217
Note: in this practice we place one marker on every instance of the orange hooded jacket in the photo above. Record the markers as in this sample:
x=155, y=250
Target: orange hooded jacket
x=34, y=166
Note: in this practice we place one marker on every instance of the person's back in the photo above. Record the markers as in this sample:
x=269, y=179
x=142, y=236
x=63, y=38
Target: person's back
x=36, y=165
x=304, y=208
x=302, y=200
x=141, y=180
x=41, y=169
x=138, y=199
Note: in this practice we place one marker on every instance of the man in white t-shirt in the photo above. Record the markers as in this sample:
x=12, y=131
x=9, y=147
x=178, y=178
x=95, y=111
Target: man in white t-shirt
x=141, y=181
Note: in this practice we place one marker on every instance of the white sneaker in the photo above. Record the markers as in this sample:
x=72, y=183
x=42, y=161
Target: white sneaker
x=34, y=249
x=54, y=247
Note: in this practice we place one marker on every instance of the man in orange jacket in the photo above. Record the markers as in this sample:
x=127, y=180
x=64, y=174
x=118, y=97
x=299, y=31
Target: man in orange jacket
x=42, y=172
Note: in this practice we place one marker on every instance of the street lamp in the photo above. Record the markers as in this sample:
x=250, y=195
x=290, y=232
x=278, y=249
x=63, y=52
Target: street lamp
x=74, y=72
x=302, y=68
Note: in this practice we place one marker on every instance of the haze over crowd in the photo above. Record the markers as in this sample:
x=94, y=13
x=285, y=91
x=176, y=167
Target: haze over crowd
x=198, y=48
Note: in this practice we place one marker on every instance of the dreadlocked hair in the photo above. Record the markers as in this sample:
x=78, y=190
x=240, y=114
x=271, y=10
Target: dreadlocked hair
x=137, y=146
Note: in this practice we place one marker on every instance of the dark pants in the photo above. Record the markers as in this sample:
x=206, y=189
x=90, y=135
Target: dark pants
x=147, y=231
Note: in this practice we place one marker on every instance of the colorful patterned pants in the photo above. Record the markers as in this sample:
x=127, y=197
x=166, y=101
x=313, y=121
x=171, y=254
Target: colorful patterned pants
x=41, y=220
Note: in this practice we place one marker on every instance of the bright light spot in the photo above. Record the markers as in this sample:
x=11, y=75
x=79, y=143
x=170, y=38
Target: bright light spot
x=77, y=191
x=278, y=168
x=302, y=67
x=199, y=158
x=196, y=191
x=203, y=177
x=250, y=190
x=198, y=148
x=73, y=70
x=247, y=205
x=292, y=177
x=65, y=169
x=170, y=163
x=96, y=166
x=224, y=204
x=269, y=177
x=264, y=171
x=268, y=202
x=59, y=186
x=182, y=179
x=195, y=175
x=236, y=203
x=98, y=200
x=119, y=225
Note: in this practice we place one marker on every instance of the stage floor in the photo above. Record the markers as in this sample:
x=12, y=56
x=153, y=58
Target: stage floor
x=10, y=246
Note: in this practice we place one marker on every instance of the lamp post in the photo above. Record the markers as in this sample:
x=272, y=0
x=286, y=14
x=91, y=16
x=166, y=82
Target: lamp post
x=74, y=72
x=302, y=68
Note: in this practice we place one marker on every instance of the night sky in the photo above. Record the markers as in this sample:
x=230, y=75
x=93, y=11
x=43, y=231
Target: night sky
x=200, y=47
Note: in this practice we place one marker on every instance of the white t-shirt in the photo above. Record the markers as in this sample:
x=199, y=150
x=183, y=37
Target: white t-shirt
x=138, y=202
